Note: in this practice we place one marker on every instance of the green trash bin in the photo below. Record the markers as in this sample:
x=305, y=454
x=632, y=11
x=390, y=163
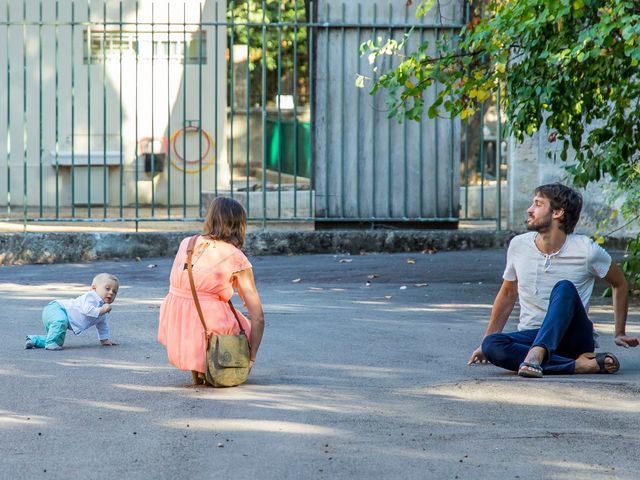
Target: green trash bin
x=281, y=146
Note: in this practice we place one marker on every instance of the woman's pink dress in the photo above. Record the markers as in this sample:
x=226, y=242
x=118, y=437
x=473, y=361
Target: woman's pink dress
x=180, y=329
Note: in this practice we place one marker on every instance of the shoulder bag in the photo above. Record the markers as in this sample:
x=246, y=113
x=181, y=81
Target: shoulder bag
x=227, y=360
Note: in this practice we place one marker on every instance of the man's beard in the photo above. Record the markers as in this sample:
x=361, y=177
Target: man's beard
x=540, y=224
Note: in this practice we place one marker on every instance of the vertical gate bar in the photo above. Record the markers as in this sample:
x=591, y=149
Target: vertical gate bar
x=389, y=169
x=231, y=95
x=57, y=142
x=405, y=168
x=216, y=106
x=8, y=40
x=278, y=106
x=358, y=132
x=263, y=98
x=73, y=107
x=455, y=172
x=482, y=160
x=24, y=111
x=104, y=111
x=135, y=151
x=200, y=37
x=184, y=108
x=498, y=163
x=247, y=139
x=342, y=113
x=466, y=138
x=40, y=120
x=153, y=130
x=421, y=150
x=452, y=182
x=436, y=147
x=466, y=168
x=295, y=109
x=120, y=119
x=326, y=110
x=89, y=63
x=374, y=114
x=311, y=36
x=168, y=135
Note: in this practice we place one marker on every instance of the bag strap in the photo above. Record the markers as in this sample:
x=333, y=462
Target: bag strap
x=190, y=247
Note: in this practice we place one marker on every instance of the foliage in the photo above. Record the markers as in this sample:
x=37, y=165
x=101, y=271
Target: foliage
x=282, y=44
x=570, y=65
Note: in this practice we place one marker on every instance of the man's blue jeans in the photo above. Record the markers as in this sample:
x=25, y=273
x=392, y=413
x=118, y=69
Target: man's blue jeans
x=566, y=333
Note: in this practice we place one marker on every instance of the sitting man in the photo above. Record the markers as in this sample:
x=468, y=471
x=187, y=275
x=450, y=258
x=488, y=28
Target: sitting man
x=552, y=271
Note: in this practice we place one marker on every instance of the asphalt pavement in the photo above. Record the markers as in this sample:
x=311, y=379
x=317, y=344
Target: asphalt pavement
x=362, y=375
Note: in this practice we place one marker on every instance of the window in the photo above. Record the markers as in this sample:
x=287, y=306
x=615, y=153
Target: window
x=183, y=47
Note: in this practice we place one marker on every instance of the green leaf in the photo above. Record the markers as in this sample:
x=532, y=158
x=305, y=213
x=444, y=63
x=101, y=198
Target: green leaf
x=424, y=7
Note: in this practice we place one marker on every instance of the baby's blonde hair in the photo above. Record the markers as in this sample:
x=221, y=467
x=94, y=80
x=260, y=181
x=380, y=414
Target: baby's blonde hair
x=103, y=277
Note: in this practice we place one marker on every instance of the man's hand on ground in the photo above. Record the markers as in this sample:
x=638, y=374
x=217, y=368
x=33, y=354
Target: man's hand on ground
x=477, y=357
x=627, y=341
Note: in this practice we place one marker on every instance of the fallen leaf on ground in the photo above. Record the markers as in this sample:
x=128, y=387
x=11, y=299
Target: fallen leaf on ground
x=403, y=287
x=372, y=276
x=420, y=285
x=152, y=265
x=411, y=261
x=387, y=297
x=296, y=280
x=316, y=288
x=346, y=260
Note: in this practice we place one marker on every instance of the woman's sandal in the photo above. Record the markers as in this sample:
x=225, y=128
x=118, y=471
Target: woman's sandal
x=197, y=378
x=530, y=370
x=600, y=357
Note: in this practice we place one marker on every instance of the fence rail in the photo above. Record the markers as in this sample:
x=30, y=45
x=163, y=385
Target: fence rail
x=134, y=110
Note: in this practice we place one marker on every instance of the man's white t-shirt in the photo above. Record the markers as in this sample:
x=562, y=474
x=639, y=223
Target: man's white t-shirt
x=580, y=260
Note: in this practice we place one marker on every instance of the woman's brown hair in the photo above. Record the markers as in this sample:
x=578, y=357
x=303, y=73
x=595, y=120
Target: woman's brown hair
x=226, y=220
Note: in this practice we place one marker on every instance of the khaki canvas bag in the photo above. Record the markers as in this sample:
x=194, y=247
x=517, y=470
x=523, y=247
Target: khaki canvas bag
x=227, y=361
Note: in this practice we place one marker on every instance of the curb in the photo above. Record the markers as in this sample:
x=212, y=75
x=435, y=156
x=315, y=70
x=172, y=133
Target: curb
x=46, y=248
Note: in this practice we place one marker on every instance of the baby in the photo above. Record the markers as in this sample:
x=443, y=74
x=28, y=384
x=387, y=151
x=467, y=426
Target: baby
x=78, y=314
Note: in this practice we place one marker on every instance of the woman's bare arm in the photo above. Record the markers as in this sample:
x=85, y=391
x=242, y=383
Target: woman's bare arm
x=246, y=285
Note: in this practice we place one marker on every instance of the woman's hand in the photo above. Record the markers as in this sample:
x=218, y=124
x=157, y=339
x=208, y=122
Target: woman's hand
x=248, y=292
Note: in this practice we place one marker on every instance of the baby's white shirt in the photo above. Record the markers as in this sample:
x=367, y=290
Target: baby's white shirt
x=84, y=312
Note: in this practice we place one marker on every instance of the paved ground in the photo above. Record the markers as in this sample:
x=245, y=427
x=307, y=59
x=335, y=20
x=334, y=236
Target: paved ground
x=352, y=382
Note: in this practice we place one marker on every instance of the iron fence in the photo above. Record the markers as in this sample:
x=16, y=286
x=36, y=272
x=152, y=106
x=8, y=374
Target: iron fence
x=143, y=110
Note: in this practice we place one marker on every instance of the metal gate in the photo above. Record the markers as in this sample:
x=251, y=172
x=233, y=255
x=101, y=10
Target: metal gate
x=143, y=110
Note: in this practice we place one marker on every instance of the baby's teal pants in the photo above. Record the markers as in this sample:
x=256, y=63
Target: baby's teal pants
x=56, y=323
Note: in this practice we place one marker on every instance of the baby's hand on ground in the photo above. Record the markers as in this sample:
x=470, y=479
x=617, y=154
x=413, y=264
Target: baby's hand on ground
x=108, y=343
